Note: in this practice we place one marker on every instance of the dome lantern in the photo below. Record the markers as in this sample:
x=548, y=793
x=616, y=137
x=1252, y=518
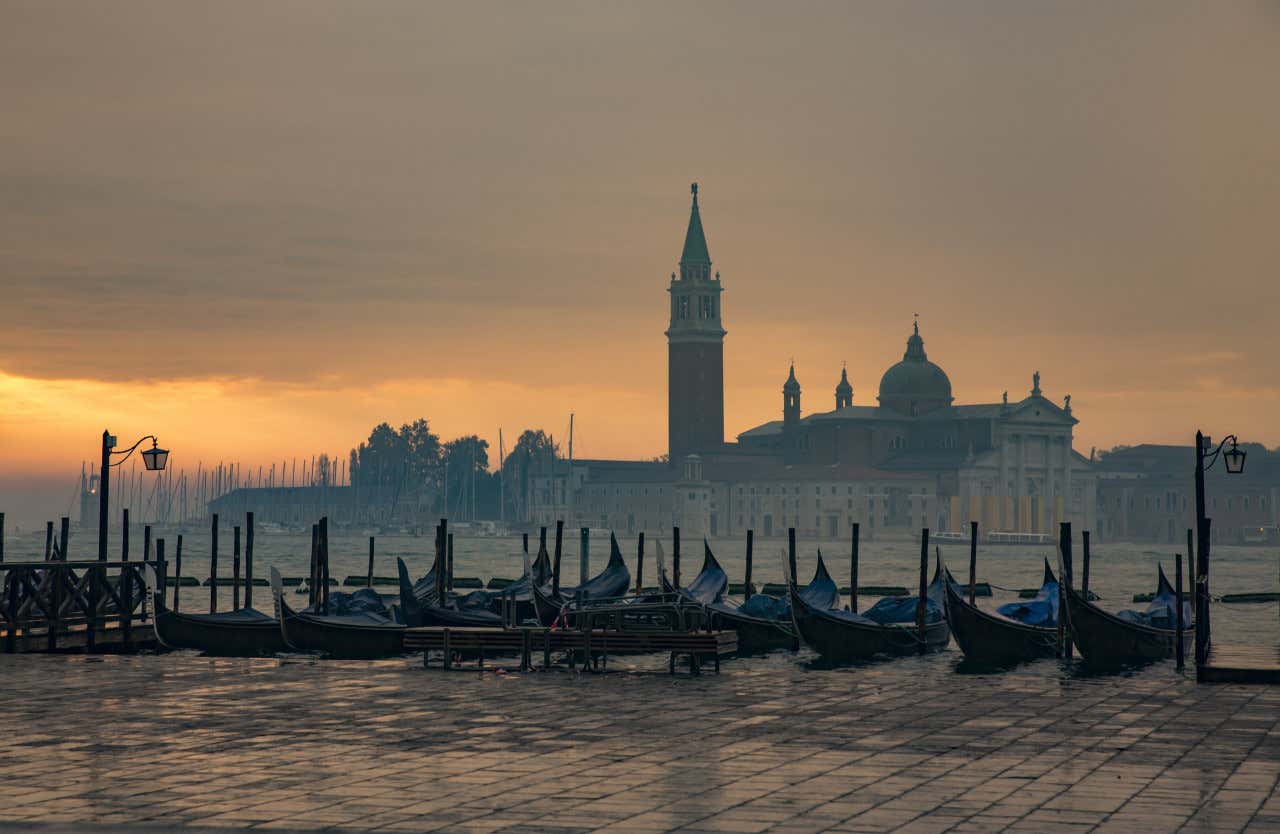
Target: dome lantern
x=915, y=385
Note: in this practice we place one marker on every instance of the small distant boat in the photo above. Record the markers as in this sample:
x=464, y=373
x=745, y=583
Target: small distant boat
x=995, y=640
x=1109, y=640
x=843, y=636
x=245, y=632
x=947, y=537
x=999, y=537
x=351, y=636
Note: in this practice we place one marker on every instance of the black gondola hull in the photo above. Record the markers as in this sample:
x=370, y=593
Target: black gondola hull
x=336, y=637
x=996, y=641
x=842, y=640
x=1105, y=640
x=192, y=631
x=755, y=634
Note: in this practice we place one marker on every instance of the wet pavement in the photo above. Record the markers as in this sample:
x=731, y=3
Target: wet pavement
x=180, y=742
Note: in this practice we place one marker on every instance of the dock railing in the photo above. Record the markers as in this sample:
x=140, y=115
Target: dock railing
x=51, y=605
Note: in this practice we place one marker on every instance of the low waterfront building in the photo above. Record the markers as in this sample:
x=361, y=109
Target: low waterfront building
x=1147, y=493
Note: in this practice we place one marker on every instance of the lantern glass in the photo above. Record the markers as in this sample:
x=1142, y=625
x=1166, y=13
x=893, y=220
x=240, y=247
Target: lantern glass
x=155, y=458
x=1234, y=460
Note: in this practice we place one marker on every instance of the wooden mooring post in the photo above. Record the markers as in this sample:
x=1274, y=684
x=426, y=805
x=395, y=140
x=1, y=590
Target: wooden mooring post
x=324, y=560
x=922, y=604
x=1085, y=558
x=448, y=575
x=746, y=579
x=640, y=562
x=235, y=568
x=973, y=561
x=48, y=540
x=213, y=565
x=248, y=560
x=314, y=569
x=1201, y=596
x=162, y=572
x=1178, y=651
x=555, y=565
x=1, y=538
x=853, y=568
x=675, y=557
x=124, y=588
x=177, y=573
x=791, y=559
x=368, y=576
x=438, y=567
x=64, y=538
x=584, y=555
x=1065, y=581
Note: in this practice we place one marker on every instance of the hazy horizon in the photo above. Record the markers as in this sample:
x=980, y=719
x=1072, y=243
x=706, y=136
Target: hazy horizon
x=258, y=231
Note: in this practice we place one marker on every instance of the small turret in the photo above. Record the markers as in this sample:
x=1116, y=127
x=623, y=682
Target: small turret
x=844, y=391
x=791, y=398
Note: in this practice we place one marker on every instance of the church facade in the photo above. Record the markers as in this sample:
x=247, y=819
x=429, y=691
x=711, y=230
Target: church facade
x=913, y=459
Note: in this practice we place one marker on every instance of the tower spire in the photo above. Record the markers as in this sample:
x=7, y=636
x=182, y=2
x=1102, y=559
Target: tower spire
x=695, y=340
x=695, y=254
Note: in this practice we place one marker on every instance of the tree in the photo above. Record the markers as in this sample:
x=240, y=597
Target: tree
x=465, y=463
x=406, y=461
x=533, y=451
x=323, y=475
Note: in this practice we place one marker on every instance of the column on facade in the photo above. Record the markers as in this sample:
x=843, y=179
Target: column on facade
x=1049, y=511
x=1020, y=511
x=1067, y=463
x=1003, y=489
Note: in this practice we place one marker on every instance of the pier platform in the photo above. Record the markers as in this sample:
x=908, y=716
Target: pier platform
x=1242, y=663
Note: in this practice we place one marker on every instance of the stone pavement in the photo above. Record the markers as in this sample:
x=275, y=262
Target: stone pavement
x=178, y=742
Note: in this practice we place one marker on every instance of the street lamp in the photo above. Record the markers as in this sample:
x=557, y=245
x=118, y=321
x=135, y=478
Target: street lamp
x=1233, y=460
x=154, y=459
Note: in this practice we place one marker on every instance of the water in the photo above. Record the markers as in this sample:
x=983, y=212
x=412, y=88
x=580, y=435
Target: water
x=1117, y=571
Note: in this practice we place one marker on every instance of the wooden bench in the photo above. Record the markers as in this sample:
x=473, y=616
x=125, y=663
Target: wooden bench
x=593, y=645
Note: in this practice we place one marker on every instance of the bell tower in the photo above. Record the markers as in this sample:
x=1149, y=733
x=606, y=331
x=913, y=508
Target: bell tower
x=695, y=349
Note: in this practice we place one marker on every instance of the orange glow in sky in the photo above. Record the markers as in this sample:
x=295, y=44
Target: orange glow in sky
x=257, y=234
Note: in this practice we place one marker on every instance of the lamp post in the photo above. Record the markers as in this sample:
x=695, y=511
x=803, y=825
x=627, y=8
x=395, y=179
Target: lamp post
x=154, y=459
x=1233, y=460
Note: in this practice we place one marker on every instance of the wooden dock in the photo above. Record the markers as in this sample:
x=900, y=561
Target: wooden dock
x=525, y=643
x=1241, y=663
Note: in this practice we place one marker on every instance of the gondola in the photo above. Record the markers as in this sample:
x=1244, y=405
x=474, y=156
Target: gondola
x=993, y=640
x=707, y=587
x=245, y=632
x=758, y=633
x=610, y=584
x=353, y=636
x=1110, y=640
x=843, y=636
x=419, y=613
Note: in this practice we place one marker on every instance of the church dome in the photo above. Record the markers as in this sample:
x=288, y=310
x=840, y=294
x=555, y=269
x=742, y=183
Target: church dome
x=915, y=385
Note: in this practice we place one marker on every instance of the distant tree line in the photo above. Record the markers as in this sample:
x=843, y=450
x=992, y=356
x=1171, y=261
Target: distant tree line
x=452, y=478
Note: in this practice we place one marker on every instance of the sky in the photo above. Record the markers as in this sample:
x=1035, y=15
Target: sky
x=257, y=230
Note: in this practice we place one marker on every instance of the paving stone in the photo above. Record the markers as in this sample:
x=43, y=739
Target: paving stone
x=182, y=743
